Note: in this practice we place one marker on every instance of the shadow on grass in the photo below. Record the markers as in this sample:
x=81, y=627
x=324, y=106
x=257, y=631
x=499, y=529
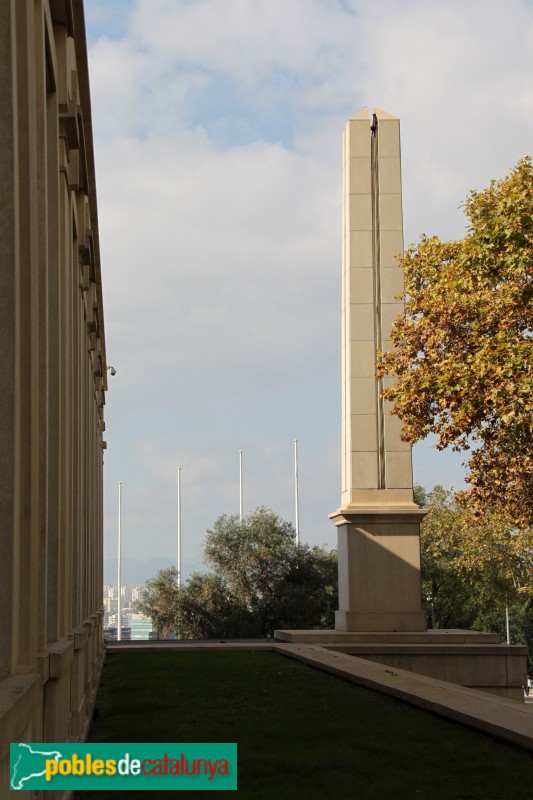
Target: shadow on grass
x=301, y=733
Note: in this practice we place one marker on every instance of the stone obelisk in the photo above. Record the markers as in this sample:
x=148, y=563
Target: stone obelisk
x=380, y=615
x=378, y=522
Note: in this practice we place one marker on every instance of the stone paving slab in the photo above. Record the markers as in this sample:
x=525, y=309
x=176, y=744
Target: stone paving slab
x=436, y=636
x=156, y=646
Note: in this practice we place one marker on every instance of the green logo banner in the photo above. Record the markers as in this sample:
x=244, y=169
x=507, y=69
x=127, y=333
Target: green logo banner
x=167, y=766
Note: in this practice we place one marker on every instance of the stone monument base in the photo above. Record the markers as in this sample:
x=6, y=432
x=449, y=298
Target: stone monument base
x=379, y=568
x=468, y=658
x=349, y=621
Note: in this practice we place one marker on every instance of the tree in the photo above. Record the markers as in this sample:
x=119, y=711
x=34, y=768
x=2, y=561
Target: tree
x=158, y=601
x=205, y=609
x=463, y=345
x=261, y=580
x=446, y=592
x=277, y=582
x=254, y=556
x=472, y=569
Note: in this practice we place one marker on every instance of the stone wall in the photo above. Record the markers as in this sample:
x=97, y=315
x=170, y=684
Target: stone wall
x=53, y=380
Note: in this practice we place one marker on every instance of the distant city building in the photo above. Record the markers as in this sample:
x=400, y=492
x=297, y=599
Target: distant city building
x=141, y=627
x=129, y=595
x=110, y=591
x=112, y=621
x=110, y=634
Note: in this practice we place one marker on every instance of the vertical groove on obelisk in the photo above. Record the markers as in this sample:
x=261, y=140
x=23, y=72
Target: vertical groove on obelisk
x=380, y=426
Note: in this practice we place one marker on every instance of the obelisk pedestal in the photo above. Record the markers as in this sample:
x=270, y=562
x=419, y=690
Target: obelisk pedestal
x=379, y=572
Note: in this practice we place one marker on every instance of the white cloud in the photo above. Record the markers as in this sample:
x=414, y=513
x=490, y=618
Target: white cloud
x=244, y=39
x=229, y=249
x=458, y=76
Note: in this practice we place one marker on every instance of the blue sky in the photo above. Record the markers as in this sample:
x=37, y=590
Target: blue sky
x=217, y=128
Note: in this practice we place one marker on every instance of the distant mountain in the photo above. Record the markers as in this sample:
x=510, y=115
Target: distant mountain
x=134, y=572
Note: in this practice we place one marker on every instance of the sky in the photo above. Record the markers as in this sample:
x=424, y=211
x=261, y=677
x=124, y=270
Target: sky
x=217, y=127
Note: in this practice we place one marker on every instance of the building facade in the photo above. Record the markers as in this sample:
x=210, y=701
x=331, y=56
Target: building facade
x=53, y=380
x=141, y=627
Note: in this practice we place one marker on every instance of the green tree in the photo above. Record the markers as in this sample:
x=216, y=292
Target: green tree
x=471, y=570
x=446, y=591
x=255, y=556
x=205, y=609
x=463, y=345
x=273, y=581
x=158, y=601
x=260, y=580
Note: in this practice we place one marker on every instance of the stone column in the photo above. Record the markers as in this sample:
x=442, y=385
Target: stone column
x=378, y=522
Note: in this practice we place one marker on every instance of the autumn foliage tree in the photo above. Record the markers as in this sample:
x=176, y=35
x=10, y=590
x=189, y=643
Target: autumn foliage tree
x=488, y=558
x=463, y=347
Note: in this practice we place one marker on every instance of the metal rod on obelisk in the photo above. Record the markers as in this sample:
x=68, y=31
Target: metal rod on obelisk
x=240, y=486
x=296, y=503
x=119, y=577
x=179, y=526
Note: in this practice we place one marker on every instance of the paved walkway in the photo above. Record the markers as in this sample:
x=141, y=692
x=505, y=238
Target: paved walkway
x=505, y=719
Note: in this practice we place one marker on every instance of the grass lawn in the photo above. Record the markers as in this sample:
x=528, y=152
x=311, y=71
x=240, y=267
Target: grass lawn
x=301, y=733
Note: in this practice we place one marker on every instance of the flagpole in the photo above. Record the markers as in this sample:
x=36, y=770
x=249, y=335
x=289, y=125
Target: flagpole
x=179, y=527
x=240, y=486
x=119, y=577
x=296, y=503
